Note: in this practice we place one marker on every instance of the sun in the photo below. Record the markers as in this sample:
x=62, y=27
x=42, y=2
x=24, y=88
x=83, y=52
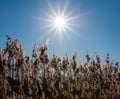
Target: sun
x=59, y=20
x=60, y=23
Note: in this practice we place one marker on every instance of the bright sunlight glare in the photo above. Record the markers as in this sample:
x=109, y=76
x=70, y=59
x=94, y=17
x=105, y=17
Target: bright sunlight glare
x=60, y=23
x=59, y=20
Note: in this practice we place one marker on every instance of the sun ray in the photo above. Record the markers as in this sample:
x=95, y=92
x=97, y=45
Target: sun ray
x=65, y=8
x=52, y=10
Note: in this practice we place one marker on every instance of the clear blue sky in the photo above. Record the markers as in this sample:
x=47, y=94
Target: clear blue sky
x=97, y=29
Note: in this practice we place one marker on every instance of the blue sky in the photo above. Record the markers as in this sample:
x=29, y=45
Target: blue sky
x=96, y=26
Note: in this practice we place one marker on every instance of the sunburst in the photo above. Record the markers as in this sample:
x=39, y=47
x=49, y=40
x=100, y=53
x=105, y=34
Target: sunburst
x=59, y=20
